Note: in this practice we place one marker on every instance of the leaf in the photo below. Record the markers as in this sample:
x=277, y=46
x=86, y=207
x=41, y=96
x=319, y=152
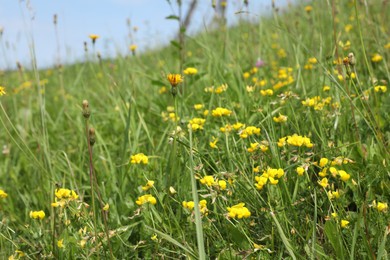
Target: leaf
x=173, y=17
x=176, y=44
x=334, y=237
x=285, y=240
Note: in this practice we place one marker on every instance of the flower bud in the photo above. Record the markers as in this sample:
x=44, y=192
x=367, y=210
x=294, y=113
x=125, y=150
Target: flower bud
x=86, y=112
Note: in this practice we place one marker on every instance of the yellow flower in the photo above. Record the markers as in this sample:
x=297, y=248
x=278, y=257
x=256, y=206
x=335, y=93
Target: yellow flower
x=239, y=211
x=334, y=214
x=348, y=28
x=382, y=207
x=106, y=207
x=246, y=75
x=2, y=91
x=93, y=37
x=220, y=111
x=208, y=180
x=323, y=182
x=376, y=58
x=343, y=175
x=267, y=92
x=323, y=162
x=139, y=158
x=387, y=46
x=300, y=171
x=326, y=88
x=3, y=195
x=382, y=89
x=190, y=71
x=249, y=130
x=188, y=204
x=297, y=140
x=222, y=184
x=163, y=90
x=308, y=8
x=196, y=123
x=148, y=198
x=175, y=79
x=154, y=237
x=344, y=223
x=213, y=144
x=60, y=243
x=37, y=214
x=280, y=119
x=148, y=185
x=198, y=106
x=333, y=194
x=133, y=47
x=203, y=207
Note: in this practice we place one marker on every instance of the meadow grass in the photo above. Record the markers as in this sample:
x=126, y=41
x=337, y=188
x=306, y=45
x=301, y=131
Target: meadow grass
x=274, y=146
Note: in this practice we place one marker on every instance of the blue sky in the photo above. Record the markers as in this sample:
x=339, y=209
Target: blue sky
x=30, y=23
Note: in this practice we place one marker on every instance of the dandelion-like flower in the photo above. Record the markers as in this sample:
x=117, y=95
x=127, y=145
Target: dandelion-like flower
x=93, y=37
x=376, y=58
x=175, y=79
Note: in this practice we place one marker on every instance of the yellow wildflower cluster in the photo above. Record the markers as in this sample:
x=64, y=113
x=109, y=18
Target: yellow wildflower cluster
x=310, y=63
x=170, y=114
x=196, y=123
x=263, y=146
x=148, y=198
x=207, y=180
x=139, y=158
x=63, y=197
x=190, y=71
x=382, y=89
x=280, y=119
x=148, y=186
x=220, y=111
x=295, y=140
x=198, y=106
x=316, y=102
x=333, y=194
x=284, y=78
x=248, y=131
x=271, y=175
x=266, y=92
x=202, y=206
x=216, y=90
x=37, y=214
x=238, y=211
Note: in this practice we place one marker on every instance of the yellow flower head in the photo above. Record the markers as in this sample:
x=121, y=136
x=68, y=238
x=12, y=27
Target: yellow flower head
x=175, y=79
x=280, y=119
x=300, y=170
x=343, y=175
x=323, y=182
x=208, y=180
x=376, y=58
x=222, y=184
x=2, y=91
x=139, y=158
x=381, y=207
x=220, y=111
x=106, y=207
x=133, y=47
x=188, y=205
x=148, y=186
x=37, y=214
x=93, y=37
x=308, y=8
x=146, y=199
x=3, y=195
x=190, y=71
x=238, y=211
x=60, y=243
x=344, y=223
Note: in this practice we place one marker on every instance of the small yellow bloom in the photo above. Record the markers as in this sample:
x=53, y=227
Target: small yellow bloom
x=323, y=182
x=198, y=106
x=334, y=214
x=382, y=207
x=94, y=37
x=300, y=171
x=239, y=211
x=190, y=71
x=326, y=88
x=163, y=90
x=172, y=190
x=376, y=58
x=344, y=223
x=60, y=243
x=343, y=175
x=37, y=214
x=146, y=199
x=213, y=144
x=188, y=205
x=2, y=91
x=308, y=8
x=382, y=89
x=220, y=111
x=348, y=28
x=133, y=47
x=222, y=184
x=106, y=207
x=148, y=186
x=3, y=195
x=323, y=162
x=208, y=180
x=154, y=237
x=175, y=79
x=280, y=119
x=139, y=158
